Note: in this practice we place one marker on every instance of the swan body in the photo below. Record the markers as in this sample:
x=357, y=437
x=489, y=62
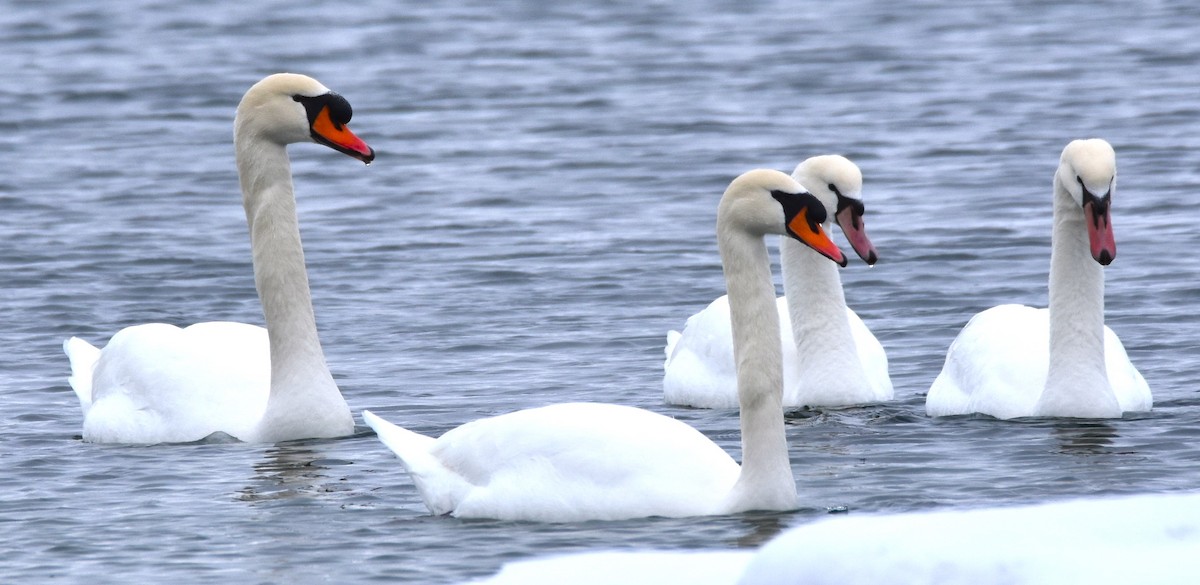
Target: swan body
x=586, y=461
x=566, y=462
x=1099, y=541
x=830, y=357
x=157, y=383
x=1015, y=361
x=1130, y=539
x=700, y=365
x=627, y=567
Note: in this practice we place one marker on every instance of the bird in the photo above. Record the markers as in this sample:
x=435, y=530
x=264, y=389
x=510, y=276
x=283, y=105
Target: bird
x=831, y=358
x=158, y=383
x=594, y=461
x=1014, y=361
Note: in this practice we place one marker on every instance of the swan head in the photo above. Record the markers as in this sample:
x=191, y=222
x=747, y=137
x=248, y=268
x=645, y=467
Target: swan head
x=1087, y=171
x=763, y=201
x=286, y=108
x=837, y=182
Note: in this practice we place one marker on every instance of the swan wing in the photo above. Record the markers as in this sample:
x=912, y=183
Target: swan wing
x=1130, y=388
x=699, y=371
x=157, y=383
x=574, y=461
x=997, y=365
x=873, y=358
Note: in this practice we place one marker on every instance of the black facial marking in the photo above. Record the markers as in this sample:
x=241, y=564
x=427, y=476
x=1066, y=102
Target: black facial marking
x=1099, y=204
x=339, y=109
x=794, y=203
x=857, y=209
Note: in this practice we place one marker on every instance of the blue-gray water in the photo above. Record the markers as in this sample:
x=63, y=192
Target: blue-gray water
x=540, y=214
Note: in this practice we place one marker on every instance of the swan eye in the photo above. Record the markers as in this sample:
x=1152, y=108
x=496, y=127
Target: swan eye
x=1079, y=180
x=834, y=188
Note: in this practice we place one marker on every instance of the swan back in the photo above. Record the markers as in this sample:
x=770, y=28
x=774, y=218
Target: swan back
x=566, y=462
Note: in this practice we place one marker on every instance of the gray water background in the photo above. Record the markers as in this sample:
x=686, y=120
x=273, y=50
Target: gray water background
x=540, y=214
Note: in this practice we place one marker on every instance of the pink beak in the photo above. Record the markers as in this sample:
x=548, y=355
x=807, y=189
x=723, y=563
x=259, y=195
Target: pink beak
x=856, y=233
x=1100, y=234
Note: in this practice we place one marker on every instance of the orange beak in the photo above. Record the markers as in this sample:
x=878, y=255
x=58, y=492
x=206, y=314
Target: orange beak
x=814, y=236
x=339, y=137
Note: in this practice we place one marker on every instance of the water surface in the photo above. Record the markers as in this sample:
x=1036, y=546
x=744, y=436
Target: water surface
x=540, y=214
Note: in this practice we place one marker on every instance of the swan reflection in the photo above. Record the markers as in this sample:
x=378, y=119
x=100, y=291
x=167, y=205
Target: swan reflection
x=292, y=471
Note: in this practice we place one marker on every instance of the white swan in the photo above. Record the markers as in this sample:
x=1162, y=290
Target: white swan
x=1011, y=360
x=584, y=461
x=157, y=383
x=1149, y=538
x=830, y=357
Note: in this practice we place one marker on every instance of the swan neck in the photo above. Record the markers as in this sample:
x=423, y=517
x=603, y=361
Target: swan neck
x=300, y=378
x=766, y=480
x=1076, y=306
x=815, y=298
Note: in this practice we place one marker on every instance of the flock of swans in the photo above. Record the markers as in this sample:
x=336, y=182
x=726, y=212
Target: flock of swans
x=158, y=383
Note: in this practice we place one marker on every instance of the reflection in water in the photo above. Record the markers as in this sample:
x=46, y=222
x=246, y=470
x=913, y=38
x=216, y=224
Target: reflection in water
x=762, y=528
x=290, y=471
x=1084, y=438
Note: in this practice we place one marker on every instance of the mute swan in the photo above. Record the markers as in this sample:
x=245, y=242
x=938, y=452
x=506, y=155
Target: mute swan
x=1012, y=360
x=586, y=461
x=157, y=383
x=833, y=359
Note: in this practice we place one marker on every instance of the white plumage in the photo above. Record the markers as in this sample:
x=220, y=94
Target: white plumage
x=1013, y=361
x=830, y=357
x=581, y=461
x=157, y=383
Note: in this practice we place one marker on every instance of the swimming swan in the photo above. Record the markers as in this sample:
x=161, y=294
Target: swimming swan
x=586, y=461
x=830, y=357
x=157, y=383
x=1012, y=360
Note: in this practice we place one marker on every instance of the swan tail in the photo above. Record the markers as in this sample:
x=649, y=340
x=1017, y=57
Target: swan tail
x=413, y=449
x=672, y=340
x=441, y=489
x=83, y=357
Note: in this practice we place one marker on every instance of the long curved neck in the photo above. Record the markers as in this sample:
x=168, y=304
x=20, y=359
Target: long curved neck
x=816, y=301
x=1076, y=378
x=303, y=392
x=766, y=481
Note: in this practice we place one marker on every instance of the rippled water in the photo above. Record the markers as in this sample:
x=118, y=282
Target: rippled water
x=539, y=216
